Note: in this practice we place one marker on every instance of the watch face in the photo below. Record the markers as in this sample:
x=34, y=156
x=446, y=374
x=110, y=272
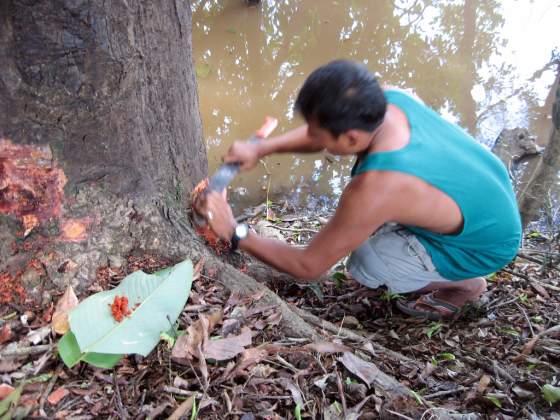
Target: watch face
x=241, y=231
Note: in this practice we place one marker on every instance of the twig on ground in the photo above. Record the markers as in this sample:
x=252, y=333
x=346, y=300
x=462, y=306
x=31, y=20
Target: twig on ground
x=48, y=389
x=445, y=393
x=499, y=305
x=177, y=391
x=526, y=318
x=296, y=230
x=547, y=286
x=529, y=258
x=341, y=392
x=402, y=416
x=26, y=351
x=120, y=408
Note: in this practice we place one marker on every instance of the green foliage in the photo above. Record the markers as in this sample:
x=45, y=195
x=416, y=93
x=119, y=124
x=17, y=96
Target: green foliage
x=550, y=393
x=495, y=400
x=443, y=357
x=434, y=328
x=194, y=412
x=417, y=397
x=156, y=301
x=537, y=319
x=71, y=355
x=350, y=381
x=168, y=339
x=339, y=276
x=388, y=296
x=509, y=330
x=297, y=412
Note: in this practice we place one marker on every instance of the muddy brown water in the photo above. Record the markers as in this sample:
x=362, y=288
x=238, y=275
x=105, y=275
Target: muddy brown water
x=480, y=63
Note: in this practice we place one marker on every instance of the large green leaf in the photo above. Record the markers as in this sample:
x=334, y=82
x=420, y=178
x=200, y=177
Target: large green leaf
x=71, y=355
x=160, y=298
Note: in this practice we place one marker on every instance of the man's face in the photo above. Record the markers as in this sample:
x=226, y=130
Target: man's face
x=324, y=137
x=348, y=143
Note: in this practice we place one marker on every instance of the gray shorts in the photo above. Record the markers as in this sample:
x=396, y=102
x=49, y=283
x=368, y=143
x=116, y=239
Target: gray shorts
x=393, y=257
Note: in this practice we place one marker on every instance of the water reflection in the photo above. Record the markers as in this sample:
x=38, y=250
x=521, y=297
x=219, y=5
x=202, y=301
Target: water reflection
x=461, y=57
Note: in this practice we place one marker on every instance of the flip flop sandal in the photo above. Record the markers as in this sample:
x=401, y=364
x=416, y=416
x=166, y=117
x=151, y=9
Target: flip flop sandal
x=430, y=301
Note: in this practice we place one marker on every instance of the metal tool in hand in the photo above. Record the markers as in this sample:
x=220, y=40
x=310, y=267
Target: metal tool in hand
x=228, y=171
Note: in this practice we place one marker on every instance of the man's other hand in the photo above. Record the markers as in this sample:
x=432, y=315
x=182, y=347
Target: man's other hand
x=219, y=215
x=245, y=152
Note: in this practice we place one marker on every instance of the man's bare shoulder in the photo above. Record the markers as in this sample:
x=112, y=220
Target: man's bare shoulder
x=380, y=181
x=374, y=189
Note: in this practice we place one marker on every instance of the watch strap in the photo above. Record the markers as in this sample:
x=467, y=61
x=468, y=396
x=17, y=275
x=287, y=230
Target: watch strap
x=234, y=242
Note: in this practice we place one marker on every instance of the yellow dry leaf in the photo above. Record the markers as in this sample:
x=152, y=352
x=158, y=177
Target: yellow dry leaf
x=66, y=303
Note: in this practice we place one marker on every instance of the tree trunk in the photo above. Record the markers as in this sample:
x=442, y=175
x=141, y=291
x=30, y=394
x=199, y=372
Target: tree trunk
x=535, y=194
x=100, y=136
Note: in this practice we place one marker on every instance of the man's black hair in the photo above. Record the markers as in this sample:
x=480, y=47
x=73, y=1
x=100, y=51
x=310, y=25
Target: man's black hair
x=341, y=96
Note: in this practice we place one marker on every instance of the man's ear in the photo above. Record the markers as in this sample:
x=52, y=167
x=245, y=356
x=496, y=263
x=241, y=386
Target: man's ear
x=352, y=136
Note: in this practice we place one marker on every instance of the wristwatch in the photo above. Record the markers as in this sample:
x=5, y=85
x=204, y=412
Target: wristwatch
x=241, y=231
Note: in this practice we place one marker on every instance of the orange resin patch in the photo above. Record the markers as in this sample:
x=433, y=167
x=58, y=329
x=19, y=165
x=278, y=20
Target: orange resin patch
x=74, y=230
x=31, y=184
x=119, y=308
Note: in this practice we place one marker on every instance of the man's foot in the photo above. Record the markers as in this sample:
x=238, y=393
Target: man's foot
x=427, y=306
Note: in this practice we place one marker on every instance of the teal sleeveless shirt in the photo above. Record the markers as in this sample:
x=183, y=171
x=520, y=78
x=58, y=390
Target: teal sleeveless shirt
x=445, y=156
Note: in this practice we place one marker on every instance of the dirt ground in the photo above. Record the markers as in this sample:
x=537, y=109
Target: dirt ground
x=498, y=359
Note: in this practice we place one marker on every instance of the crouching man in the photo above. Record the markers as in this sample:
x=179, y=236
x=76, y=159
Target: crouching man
x=428, y=209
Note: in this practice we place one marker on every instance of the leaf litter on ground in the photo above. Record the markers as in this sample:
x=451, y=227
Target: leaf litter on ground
x=266, y=374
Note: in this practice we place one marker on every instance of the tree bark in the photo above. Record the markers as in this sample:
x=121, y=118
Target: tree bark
x=535, y=194
x=100, y=135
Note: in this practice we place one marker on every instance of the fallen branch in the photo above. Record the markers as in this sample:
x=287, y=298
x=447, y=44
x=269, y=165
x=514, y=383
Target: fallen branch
x=445, y=393
x=530, y=345
x=26, y=351
x=547, y=286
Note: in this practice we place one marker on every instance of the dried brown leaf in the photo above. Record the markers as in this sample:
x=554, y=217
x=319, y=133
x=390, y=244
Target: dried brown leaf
x=262, y=371
x=198, y=269
x=7, y=364
x=274, y=319
x=483, y=384
x=540, y=290
x=366, y=371
x=57, y=395
x=250, y=357
x=187, y=346
x=228, y=348
x=183, y=409
x=294, y=390
x=65, y=304
x=5, y=333
x=202, y=367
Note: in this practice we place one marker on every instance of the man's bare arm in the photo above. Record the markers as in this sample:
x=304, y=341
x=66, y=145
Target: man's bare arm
x=293, y=141
x=358, y=216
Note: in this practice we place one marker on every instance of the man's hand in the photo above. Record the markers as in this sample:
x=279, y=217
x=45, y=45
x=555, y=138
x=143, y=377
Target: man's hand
x=219, y=215
x=244, y=152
